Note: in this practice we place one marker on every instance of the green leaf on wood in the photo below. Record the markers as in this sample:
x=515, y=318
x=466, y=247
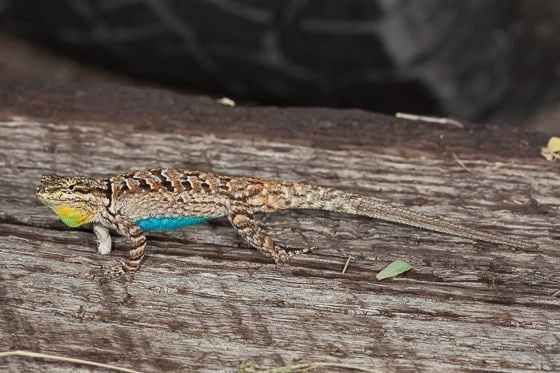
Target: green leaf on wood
x=394, y=269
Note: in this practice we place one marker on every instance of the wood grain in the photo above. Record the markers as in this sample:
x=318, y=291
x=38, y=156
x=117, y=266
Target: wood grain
x=203, y=301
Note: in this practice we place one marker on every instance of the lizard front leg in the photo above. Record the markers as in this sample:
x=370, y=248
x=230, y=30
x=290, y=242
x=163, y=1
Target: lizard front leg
x=103, y=239
x=247, y=227
x=128, y=229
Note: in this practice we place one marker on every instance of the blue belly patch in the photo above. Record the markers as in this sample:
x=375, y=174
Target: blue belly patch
x=168, y=223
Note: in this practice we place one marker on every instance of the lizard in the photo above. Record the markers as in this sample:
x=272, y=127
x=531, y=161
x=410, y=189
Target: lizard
x=134, y=202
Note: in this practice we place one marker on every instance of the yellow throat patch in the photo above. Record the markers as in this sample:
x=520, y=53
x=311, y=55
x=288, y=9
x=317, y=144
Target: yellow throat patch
x=72, y=216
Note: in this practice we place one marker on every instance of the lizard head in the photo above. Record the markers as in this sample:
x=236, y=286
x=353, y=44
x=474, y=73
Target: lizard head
x=76, y=200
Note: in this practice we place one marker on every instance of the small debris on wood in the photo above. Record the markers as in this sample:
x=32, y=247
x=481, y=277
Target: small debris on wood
x=350, y=258
x=65, y=359
x=551, y=151
x=423, y=118
x=394, y=269
x=226, y=101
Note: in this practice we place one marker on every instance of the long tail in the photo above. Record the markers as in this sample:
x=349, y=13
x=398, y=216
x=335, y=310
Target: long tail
x=322, y=198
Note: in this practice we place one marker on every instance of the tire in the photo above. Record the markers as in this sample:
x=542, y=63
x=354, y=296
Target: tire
x=448, y=57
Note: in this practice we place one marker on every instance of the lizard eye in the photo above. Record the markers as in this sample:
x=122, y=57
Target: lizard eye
x=71, y=187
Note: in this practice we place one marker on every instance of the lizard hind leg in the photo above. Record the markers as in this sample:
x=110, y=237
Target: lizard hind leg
x=136, y=235
x=246, y=226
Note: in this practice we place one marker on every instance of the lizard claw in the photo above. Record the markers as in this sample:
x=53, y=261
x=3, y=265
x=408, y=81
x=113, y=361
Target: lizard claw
x=282, y=258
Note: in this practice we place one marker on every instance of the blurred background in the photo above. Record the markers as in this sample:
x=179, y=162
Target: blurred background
x=478, y=60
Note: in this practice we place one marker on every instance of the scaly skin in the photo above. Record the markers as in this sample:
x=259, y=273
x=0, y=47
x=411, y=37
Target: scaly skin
x=123, y=202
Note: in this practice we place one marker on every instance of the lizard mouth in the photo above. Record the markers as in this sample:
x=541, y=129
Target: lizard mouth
x=41, y=196
x=45, y=197
x=42, y=192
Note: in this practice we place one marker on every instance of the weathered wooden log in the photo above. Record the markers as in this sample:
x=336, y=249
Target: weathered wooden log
x=204, y=301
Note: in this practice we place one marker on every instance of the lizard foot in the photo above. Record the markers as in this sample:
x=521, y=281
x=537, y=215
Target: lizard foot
x=285, y=254
x=112, y=272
